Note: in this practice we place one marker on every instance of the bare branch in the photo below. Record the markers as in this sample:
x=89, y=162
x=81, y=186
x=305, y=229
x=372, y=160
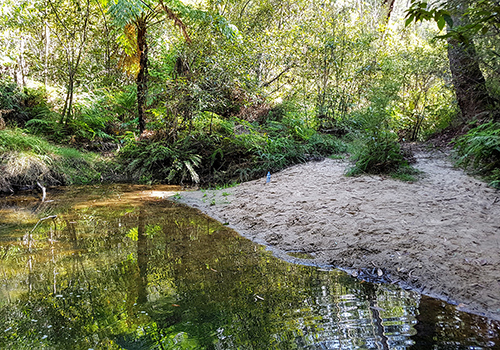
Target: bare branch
x=277, y=77
x=177, y=21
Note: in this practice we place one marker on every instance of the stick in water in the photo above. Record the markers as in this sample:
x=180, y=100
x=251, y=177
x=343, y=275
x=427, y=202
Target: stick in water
x=44, y=191
x=42, y=219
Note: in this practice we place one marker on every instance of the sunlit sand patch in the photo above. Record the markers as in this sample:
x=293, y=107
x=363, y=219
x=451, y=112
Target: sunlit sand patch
x=138, y=193
x=163, y=194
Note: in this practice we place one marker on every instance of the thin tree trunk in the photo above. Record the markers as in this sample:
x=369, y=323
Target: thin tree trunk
x=142, y=77
x=70, y=103
x=65, y=108
x=46, y=50
x=72, y=61
x=66, y=113
x=20, y=77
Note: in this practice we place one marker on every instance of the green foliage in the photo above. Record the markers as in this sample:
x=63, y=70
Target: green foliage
x=474, y=25
x=420, y=11
x=155, y=161
x=377, y=156
x=17, y=141
x=26, y=159
x=278, y=112
x=46, y=126
x=19, y=106
x=10, y=96
x=218, y=151
x=482, y=15
x=220, y=110
x=102, y=116
x=479, y=149
x=379, y=151
x=28, y=108
x=96, y=117
x=424, y=103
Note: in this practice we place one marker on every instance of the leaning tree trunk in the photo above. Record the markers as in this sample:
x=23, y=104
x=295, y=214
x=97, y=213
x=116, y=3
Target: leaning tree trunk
x=142, y=76
x=470, y=85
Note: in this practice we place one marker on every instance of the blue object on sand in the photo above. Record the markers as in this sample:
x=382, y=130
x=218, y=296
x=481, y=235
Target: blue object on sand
x=268, y=178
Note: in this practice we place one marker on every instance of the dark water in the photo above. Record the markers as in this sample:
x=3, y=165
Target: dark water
x=121, y=269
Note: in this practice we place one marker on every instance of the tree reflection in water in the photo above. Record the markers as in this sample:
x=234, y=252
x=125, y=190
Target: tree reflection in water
x=125, y=270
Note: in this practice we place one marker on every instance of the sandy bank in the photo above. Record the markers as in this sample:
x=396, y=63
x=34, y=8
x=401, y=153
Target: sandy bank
x=440, y=235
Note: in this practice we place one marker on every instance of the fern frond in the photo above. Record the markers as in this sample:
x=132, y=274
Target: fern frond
x=125, y=11
x=194, y=175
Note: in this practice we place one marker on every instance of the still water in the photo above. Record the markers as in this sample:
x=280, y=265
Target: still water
x=122, y=268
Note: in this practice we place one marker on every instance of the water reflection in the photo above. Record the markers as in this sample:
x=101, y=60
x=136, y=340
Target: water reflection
x=124, y=269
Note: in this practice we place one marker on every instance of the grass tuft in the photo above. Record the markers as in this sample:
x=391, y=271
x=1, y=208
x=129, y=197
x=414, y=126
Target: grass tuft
x=26, y=159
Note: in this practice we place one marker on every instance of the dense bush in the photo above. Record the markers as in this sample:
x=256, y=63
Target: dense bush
x=102, y=116
x=377, y=156
x=147, y=162
x=19, y=106
x=223, y=151
x=479, y=150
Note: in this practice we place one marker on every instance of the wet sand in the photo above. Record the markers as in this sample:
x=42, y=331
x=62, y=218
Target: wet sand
x=439, y=235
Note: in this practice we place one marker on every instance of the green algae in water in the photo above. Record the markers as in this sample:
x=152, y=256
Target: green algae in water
x=124, y=269
x=300, y=255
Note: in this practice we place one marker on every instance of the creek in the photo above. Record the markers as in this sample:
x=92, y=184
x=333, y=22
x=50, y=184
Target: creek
x=120, y=267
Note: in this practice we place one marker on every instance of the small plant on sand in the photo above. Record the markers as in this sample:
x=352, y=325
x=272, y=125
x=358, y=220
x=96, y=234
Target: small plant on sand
x=405, y=173
x=378, y=150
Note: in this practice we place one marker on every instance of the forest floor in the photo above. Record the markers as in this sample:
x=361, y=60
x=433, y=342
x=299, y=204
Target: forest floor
x=439, y=235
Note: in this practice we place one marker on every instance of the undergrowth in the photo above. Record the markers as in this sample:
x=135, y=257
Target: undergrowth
x=479, y=150
x=382, y=157
x=220, y=151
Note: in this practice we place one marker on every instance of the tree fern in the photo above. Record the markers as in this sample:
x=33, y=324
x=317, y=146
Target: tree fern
x=126, y=12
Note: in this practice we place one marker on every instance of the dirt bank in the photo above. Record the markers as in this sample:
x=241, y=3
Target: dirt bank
x=440, y=235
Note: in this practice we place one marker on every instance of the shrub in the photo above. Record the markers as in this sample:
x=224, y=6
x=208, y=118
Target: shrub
x=377, y=156
x=22, y=105
x=149, y=162
x=378, y=151
x=479, y=150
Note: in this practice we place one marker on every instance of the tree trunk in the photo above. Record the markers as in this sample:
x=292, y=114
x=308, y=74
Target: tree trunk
x=68, y=102
x=21, y=65
x=46, y=41
x=470, y=86
x=142, y=76
x=69, y=112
